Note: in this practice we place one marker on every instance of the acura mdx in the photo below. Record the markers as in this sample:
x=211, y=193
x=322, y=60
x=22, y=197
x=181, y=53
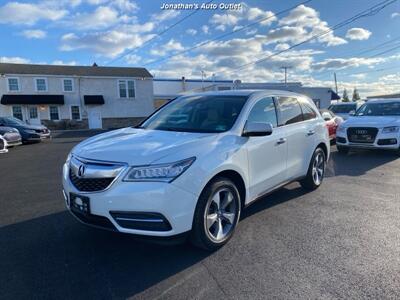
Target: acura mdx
x=192, y=166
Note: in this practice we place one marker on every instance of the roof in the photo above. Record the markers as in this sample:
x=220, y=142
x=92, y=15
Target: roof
x=388, y=96
x=31, y=69
x=247, y=93
x=384, y=100
x=193, y=80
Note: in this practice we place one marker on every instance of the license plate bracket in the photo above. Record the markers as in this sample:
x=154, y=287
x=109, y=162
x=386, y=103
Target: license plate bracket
x=79, y=203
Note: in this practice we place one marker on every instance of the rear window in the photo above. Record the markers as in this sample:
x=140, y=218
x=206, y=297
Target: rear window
x=290, y=111
x=342, y=108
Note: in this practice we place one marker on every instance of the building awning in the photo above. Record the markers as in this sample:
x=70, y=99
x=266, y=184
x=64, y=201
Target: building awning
x=334, y=96
x=32, y=99
x=93, y=99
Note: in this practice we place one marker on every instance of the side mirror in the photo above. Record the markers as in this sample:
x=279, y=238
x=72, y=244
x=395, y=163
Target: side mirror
x=257, y=129
x=352, y=113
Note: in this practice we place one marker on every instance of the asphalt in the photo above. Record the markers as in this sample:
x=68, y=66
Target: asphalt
x=341, y=241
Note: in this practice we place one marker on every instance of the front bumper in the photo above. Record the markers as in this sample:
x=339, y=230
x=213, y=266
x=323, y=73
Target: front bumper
x=155, y=198
x=389, y=141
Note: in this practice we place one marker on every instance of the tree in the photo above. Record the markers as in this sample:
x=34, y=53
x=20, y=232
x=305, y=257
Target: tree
x=345, y=97
x=356, y=95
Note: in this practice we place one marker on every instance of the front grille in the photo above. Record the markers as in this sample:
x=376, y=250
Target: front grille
x=362, y=134
x=90, y=184
x=1, y=144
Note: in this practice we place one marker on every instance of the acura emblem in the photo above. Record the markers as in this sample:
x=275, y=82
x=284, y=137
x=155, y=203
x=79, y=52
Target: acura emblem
x=81, y=171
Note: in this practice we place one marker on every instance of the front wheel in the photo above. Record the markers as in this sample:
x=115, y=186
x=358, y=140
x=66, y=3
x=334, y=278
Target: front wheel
x=217, y=214
x=316, y=171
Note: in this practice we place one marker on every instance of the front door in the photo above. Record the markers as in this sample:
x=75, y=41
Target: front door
x=94, y=118
x=33, y=115
x=267, y=155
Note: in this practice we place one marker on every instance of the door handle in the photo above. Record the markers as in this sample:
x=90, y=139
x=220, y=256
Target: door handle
x=311, y=132
x=281, y=141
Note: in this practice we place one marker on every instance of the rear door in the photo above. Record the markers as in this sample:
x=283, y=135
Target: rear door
x=300, y=135
x=266, y=154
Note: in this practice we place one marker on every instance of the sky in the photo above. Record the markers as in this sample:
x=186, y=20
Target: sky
x=141, y=33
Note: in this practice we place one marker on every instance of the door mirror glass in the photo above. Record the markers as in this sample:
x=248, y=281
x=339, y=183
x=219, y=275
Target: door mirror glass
x=352, y=113
x=257, y=129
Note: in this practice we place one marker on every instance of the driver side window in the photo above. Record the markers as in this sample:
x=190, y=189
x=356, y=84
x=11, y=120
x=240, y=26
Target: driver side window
x=263, y=112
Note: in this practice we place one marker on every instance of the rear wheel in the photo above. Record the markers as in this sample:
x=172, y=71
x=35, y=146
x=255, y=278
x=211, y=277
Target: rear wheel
x=217, y=214
x=316, y=171
x=342, y=149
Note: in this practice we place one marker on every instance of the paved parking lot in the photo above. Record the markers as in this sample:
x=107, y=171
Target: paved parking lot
x=341, y=241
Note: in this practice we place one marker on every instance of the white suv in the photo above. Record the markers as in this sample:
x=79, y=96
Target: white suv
x=191, y=167
x=375, y=125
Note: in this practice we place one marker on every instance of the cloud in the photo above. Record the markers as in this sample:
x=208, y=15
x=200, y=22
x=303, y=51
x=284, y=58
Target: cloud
x=102, y=17
x=171, y=46
x=34, y=34
x=358, y=34
x=191, y=31
x=108, y=44
x=132, y=59
x=64, y=63
x=18, y=13
x=205, y=29
x=307, y=19
x=281, y=47
x=342, y=63
x=246, y=13
x=395, y=15
x=14, y=60
x=164, y=16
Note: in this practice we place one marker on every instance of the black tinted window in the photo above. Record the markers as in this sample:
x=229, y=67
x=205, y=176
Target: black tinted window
x=290, y=110
x=203, y=113
x=308, y=111
x=263, y=112
x=342, y=108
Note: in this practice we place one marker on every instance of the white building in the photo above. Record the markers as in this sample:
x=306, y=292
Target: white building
x=166, y=89
x=71, y=97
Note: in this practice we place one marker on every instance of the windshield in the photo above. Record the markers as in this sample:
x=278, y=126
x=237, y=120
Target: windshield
x=15, y=121
x=342, y=108
x=206, y=113
x=379, y=109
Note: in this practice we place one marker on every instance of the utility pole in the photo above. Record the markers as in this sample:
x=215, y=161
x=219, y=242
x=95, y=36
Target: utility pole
x=334, y=74
x=285, y=68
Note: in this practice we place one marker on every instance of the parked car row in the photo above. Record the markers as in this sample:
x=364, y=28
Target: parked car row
x=14, y=132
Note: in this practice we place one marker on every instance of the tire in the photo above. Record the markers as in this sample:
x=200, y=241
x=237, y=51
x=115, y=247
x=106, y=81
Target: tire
x=316, y=171
x=210, y=234
x=342, y=150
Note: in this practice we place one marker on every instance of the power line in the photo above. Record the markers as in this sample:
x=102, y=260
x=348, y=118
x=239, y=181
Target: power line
x=156, y=36
x=365, y=13
x=226, y=34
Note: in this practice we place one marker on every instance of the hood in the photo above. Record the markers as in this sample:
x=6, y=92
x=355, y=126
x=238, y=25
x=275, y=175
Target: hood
x=4, y=129
x=140, y=146
x=373, y=121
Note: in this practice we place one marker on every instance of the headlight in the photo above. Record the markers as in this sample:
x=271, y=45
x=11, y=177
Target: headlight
x=390, y=129
x=341, y=129
x=161, y=172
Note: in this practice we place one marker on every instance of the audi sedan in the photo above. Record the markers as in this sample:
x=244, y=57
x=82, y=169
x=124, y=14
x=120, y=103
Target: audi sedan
x=375, y=125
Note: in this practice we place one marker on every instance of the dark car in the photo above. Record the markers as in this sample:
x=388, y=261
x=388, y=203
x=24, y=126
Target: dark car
x=11, y=135
x=29, y=133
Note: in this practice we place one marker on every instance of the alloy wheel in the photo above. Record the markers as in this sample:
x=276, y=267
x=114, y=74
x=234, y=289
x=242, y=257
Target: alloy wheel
x=220, y=214
x=318, y=168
